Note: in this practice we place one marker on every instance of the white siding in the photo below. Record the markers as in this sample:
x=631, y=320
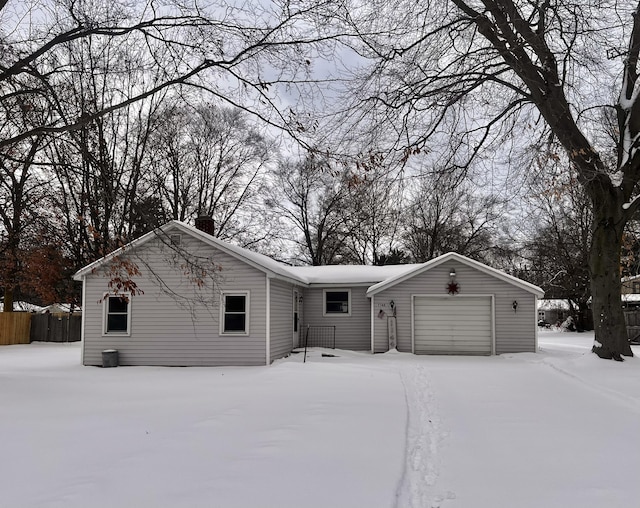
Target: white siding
x=352, y=332
x=281, y=319
x=179, y=325
x=514, y=331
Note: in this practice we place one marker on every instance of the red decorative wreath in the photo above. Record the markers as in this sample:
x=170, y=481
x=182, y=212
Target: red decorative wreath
x=453, y=288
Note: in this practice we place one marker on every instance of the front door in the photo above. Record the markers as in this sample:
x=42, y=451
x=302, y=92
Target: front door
x=296, y=318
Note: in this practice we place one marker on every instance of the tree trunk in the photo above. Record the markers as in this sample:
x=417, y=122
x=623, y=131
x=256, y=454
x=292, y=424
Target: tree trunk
x=611, y=341
x=8, y=300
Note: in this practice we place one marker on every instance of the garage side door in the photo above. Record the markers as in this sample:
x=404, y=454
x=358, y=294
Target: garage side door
x=452, y=325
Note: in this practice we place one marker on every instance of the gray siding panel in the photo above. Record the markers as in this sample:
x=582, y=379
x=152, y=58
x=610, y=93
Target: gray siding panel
x=514, y=331
x=352, y=332
x=179, y=325
x=281, y=319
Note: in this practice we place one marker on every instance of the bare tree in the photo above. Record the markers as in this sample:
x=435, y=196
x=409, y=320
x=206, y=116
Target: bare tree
x=493, y=75
x=371, y=215
x=21, y=190
x=209, y=161
x=559, y=239
x=238, y=52
x=309, y=195
x=444, y=216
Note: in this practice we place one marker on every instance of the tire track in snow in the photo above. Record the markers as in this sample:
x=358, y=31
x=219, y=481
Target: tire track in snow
x=423, y=437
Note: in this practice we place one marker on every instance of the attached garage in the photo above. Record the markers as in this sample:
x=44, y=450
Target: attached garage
x=455, y=305
x=453, y=325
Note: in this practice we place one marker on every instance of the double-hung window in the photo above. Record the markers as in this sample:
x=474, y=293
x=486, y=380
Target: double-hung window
x=117, y=315
x=234, y=319
x=337, y=302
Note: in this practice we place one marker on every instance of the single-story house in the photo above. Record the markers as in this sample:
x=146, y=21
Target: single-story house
x=179, y=296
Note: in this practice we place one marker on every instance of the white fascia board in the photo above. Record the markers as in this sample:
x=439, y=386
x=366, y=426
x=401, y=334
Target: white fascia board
x=329, y=285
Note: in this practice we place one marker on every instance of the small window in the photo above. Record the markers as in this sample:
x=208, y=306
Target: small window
x=337, y=302
x=636, y=287
x=117, y=314
x=176, y=239
x=235, y=313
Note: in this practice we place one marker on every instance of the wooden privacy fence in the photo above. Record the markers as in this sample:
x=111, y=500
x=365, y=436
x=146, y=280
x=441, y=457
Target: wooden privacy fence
x=14, y=328
x=632, y=320
x=55, y=327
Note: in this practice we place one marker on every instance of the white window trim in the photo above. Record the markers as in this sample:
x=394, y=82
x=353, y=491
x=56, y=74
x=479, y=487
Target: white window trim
x=324, y=302
x=105, y=311
x=247, y=295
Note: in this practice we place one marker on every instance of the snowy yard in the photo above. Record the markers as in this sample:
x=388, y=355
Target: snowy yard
x=559, y=428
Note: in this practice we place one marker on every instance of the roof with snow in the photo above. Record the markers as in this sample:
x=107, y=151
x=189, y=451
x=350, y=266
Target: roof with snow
x=553, y=304
x=377, y=277
x=20, y=306
x=58, y=308
x=349, y=274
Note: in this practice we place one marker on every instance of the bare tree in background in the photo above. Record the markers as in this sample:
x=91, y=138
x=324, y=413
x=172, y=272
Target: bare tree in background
x=21, y=193
x=371, y=215
x=98, y=166
x=444, y=216
x=240, y=53
x=207, y=160
x=559, y=239
x=314, y=194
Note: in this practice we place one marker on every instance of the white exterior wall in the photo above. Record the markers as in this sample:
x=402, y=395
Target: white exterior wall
x=514, y=331
x=165, y=331
x=352, y=332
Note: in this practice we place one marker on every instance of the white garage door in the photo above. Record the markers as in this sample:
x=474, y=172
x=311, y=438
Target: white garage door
x=452, y=325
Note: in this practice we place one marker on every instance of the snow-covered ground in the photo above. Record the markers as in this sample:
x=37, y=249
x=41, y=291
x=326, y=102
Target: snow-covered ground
x=559, y=428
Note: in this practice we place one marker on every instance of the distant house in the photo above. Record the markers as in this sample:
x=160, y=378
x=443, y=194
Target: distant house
x=259, y=310
x=631, y=291
x=20, y=306
x=60, y=308
x=552, y=311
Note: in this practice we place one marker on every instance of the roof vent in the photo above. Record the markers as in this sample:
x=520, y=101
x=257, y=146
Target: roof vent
x=206, y=224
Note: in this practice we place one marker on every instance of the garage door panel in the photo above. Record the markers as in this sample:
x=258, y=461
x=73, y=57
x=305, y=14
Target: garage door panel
x=434, y=322
x=460, y=325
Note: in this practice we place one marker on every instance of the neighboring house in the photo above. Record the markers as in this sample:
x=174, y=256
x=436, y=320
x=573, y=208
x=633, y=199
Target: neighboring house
x=20, y=306
x=552, y=311
x=631, y=291
x=60, y=308
x=259, y=309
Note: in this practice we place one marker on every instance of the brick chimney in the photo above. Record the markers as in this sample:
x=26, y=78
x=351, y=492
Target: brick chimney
x=205, y=223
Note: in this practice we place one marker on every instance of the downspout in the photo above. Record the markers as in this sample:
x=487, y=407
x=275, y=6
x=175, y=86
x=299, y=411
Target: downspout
x=535, y=323
x=373, y=325
x=268, y=322
x=83, y=318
